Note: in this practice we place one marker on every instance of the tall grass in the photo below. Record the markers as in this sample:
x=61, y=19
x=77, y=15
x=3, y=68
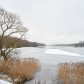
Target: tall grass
x=20, y=69
x=71, y=73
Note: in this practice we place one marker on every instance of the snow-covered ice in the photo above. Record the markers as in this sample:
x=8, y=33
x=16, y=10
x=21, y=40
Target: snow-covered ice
x=50, y=56
x=61, y=52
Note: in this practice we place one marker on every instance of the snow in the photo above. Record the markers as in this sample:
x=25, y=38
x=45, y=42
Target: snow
x=4, y=82
x=61, y=52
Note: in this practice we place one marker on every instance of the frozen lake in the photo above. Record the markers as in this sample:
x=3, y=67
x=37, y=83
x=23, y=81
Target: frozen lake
x=50, y=57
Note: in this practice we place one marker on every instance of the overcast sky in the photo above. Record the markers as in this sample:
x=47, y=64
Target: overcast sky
x=50, y=21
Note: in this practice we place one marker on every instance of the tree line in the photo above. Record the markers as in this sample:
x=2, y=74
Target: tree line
x=80, y=44
x=17, y=42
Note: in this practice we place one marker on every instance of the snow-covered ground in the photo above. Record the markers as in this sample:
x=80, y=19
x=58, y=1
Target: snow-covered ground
x=4, y=82
x=50, y=58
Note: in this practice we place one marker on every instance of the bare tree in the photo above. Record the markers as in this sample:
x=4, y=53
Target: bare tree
x=10, y=25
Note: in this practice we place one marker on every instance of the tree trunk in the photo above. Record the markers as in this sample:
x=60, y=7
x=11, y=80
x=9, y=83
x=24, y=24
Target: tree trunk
x=5, y=58
x=3, y=54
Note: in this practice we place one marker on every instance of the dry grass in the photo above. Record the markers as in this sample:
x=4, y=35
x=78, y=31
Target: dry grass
x=20, y=69
x=71, y=73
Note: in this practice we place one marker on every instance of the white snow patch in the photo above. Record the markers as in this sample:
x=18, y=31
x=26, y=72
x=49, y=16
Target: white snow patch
x=60, y=52
x=4, y=82
x=34, y=51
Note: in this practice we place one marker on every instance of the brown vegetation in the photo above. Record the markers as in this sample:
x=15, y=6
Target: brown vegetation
x=71, y=73
x=15, y=42
x=20, y=69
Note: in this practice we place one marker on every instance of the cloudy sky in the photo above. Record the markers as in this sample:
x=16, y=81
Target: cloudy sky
x=50, y=21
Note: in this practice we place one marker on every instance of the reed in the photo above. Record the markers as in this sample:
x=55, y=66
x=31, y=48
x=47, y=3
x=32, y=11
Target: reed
x=71, y=73
x=20, y=69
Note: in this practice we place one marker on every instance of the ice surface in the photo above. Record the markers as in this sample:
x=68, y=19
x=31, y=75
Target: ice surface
x=50, y=56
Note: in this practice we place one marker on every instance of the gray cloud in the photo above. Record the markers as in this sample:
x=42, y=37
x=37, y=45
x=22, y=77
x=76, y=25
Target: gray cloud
x=50, y=21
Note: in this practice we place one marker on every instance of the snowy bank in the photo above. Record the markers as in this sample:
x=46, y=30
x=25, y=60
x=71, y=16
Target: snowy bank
x=4, y=82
